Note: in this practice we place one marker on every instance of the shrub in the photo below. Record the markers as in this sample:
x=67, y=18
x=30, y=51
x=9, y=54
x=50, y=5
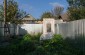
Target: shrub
x=54, y=45
x=40, y=51
x=36, y=38
x=18, y=46
x=31, y=45
x=57, y=39
x=27, y=37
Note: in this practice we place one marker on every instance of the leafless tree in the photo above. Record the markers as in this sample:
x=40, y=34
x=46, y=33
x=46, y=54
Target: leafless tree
x=57, y=11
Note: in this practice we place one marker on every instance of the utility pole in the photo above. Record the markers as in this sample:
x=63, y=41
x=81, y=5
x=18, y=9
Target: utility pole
x=5, y=10
x=6, y=26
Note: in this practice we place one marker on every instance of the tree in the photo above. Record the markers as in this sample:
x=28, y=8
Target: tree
x=76, y=9
x=47, y=15
x=57, y=11
x=13, y=12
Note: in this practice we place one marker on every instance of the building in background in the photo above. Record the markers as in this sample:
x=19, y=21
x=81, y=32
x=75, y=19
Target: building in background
x=29, y=19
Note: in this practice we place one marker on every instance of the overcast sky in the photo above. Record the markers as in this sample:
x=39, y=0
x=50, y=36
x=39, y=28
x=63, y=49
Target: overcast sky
x=37, y=7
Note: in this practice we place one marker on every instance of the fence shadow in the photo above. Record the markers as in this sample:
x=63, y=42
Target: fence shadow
x=22, y=31
x=75, y=45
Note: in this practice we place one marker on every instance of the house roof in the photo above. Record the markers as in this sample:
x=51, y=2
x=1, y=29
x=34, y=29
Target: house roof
x=28, y=17
x=65, y=16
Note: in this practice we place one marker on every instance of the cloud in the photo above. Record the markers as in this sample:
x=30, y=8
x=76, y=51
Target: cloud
x=56, y=4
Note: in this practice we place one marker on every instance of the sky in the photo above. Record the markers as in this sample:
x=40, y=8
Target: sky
x=37, y=7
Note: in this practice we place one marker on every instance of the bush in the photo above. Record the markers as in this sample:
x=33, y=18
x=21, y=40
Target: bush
x=31, y=45
x=20, y=46
x=57, y=39
x=27, y=37
x=54, y=45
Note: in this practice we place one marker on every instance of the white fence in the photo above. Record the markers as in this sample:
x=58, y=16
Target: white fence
x=12, y=29
x=65, y=29
x=71, y=29
x=1, y=29
x=22, y=29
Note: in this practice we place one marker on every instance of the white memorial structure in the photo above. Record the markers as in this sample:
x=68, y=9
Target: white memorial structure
x=49, y=28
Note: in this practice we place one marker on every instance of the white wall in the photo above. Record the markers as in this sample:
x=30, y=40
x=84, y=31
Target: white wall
x=30, y=28
x=23, y=29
